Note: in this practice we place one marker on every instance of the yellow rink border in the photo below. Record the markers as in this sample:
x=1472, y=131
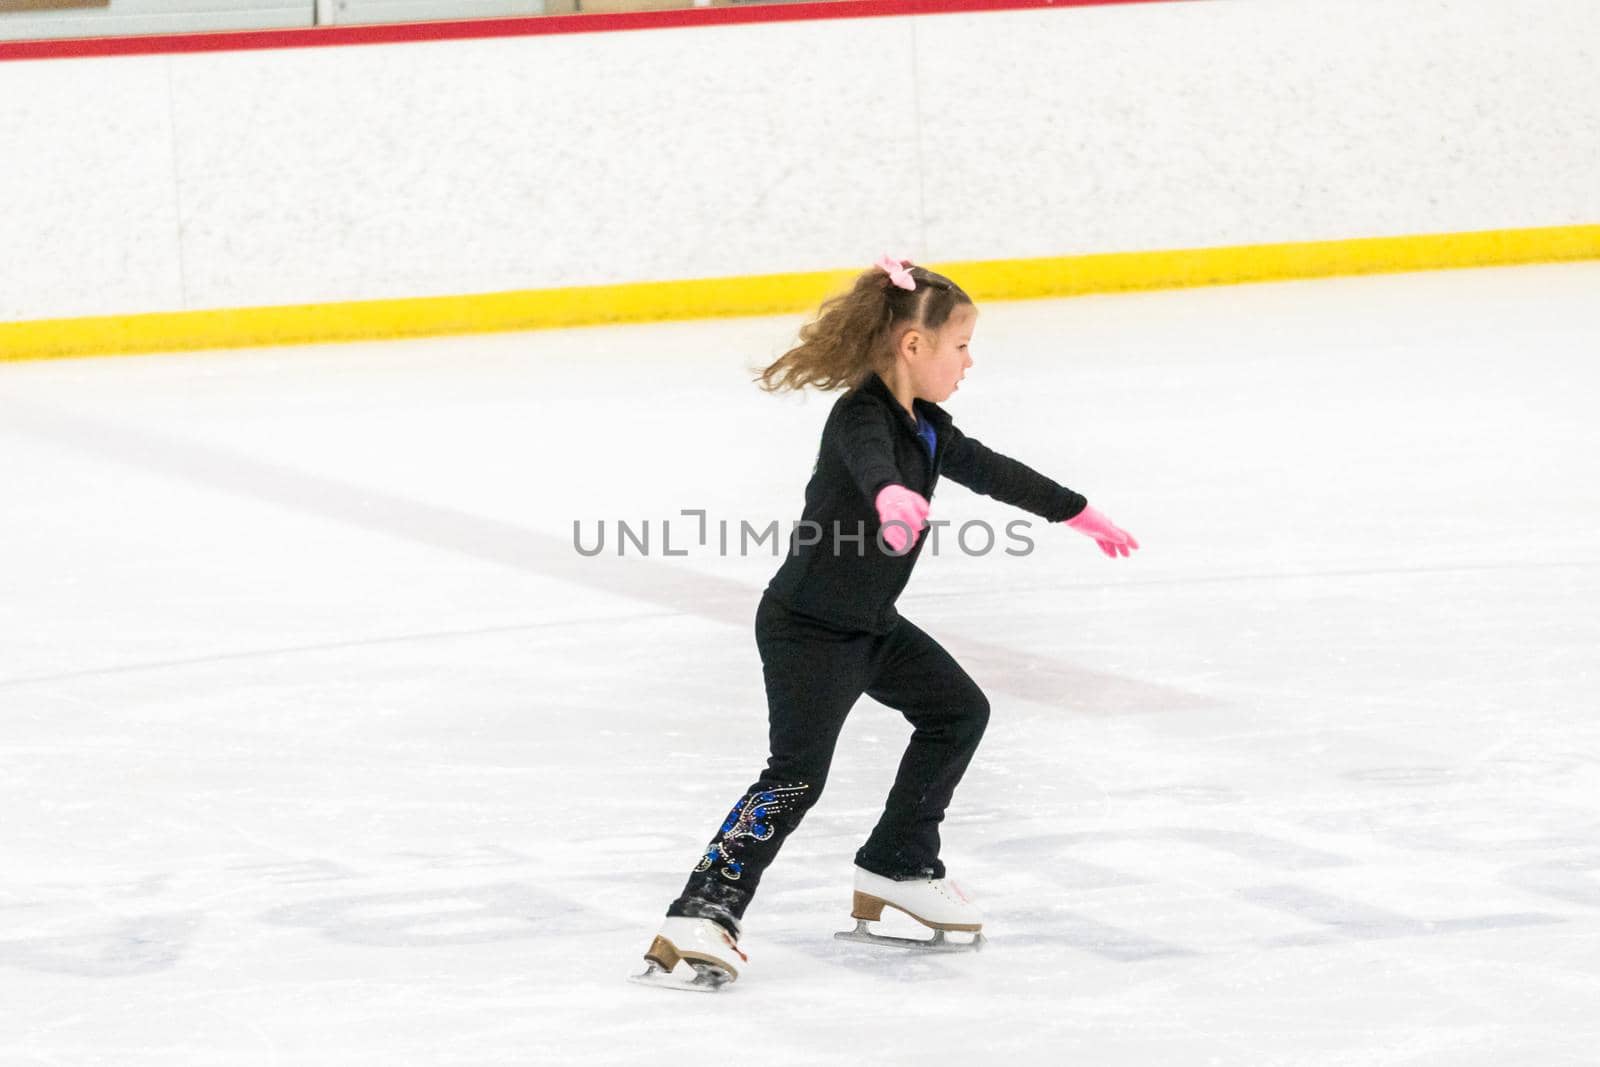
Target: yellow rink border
x=778, y=293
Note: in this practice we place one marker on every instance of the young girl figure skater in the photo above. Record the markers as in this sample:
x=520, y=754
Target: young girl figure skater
x=899, y=342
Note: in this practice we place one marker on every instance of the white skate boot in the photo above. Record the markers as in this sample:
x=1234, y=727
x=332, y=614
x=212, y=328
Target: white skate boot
x=704, y=946
x=937, y=903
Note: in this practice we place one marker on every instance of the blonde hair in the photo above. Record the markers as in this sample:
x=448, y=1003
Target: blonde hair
x=854, y=333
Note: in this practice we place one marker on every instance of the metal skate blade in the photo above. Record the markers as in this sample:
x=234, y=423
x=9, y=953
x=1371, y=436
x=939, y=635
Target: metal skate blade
x=936, y=943
x=707, y=979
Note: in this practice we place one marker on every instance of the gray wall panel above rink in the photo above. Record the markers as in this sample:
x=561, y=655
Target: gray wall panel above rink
x=126, y=17
x=353, y=12
x=50, y=19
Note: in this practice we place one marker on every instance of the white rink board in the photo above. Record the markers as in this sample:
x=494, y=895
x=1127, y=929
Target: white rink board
x=327, y=174
x=321, y=745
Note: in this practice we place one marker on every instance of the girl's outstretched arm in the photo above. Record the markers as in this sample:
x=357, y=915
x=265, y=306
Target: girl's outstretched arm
x=969, y=462
x=983, y=470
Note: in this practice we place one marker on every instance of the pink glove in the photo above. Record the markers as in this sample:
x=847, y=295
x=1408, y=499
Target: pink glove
x=899, y=505
x=1113, y=542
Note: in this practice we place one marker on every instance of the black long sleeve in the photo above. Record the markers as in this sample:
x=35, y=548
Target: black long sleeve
x=969, y=462
x=865, y=445
x=834, y=571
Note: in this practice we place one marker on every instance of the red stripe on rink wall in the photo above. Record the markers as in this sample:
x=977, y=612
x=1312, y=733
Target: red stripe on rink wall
x=530, y=26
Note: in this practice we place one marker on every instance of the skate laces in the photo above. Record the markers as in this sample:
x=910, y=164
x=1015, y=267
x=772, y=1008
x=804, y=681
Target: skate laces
x=733, y=945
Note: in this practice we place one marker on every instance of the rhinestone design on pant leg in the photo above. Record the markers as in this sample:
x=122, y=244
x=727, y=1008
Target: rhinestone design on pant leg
x=750, y=819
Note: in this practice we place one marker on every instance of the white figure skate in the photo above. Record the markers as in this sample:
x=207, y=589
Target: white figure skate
x=937, y=903
x=705, y=948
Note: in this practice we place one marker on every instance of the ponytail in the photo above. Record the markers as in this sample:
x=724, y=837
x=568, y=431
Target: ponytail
x=854, y=332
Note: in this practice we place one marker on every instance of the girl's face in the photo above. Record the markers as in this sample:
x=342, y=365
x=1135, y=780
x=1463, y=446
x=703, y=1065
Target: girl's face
x=939, y=364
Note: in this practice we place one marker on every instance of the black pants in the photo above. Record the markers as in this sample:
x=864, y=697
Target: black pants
x=814, y=675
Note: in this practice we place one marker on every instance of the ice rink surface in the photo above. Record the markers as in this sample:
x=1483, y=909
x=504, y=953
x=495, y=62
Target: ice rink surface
x=323, y=744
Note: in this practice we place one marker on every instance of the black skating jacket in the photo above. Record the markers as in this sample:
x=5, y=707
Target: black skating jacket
x=868, y=442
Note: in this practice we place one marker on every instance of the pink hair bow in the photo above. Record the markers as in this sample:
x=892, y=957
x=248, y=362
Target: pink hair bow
x=896, y=270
